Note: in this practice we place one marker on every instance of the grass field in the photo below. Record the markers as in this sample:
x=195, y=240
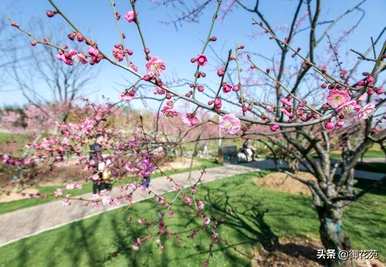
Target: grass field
x=12, y=137
x=13, y=142
x=87, y=188
x=250, y=217
x=374, y=152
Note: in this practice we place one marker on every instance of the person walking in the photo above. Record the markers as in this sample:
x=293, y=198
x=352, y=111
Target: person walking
x=99, y=166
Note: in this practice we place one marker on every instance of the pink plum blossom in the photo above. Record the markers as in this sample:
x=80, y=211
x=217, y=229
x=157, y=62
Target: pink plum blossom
x=339, y=124
x=130, y=16
x=366, y=111
x=66, y=202
x=67, y=56
x=274, y=127
x=146, y=167
x=269, y=108
x=127, y=95
x=58, y=192
x=155, y=66
x=200, y=204
x=217, y=104
x=379, y=90
x=200, y=88
x=286, y=112
x=72, y=186
x=93, y=51
x=286, y=101
x=337, y=98
x=95, y=55
x=190, y=119
x=206, y=220
x=230, y=124
x=226, y=88
x=188, y=200
x=350, y=108
x=221, y=72
x=201, y=60
x=329, y=125
x=133, y=67
x=236, y=88
x=136, y=244
x=106, y=199
x=82, y=58
x=119, y=52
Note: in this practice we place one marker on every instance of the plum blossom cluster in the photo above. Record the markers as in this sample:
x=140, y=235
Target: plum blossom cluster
x=217, y=104
x=119, y=52
x=51, y=148
x=298, y=112
x=143, y=167
x=44, y=117
x=154, y=68
x=10, y=160
x=190, y=119
x=200, y=60
x=128, y=94
x=9, y=119
x=168, y=109
x=130, y=16
x=72, y=55
x=230, y=124
x=351, y=106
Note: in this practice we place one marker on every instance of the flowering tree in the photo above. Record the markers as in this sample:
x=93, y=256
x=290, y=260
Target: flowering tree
x=310, y=101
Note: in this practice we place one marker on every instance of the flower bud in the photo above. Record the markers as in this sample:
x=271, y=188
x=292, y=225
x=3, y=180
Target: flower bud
x=50, y=13
x=213, y=38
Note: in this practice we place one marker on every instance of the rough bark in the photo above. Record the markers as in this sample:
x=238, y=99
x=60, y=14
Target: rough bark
x=331, y=232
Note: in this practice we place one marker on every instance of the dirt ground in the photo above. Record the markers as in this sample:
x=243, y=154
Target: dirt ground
x=284, y=183
x=297, y=252
x=179, y=163
x=292, y=253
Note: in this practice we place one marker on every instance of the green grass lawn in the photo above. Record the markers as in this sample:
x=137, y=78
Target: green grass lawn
x=368, y=155
x=250, y=217
x=13, y=137
x=47, y=191
x=19, y=139
x=374, y=152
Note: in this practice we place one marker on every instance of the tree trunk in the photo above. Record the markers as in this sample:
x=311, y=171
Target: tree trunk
x=220, y=156
x=332, y=234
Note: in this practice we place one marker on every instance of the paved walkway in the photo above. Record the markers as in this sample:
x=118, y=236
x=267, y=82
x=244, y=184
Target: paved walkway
x=34, y=220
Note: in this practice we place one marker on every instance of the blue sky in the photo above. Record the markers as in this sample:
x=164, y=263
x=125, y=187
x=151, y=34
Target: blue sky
x=176, y=47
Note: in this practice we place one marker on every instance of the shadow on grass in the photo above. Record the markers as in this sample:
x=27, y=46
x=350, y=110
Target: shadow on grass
x=247, y=218
x=240, y=232
x=373, y=187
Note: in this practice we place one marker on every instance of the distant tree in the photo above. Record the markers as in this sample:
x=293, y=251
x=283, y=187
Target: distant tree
x=43, y=80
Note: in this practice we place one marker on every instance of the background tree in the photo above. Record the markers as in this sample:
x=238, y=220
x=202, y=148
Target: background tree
x=51, y=88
